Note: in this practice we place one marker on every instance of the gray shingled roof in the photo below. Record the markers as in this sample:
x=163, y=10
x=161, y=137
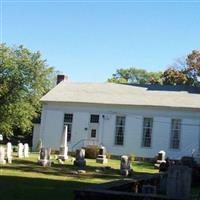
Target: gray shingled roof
x=119, y=94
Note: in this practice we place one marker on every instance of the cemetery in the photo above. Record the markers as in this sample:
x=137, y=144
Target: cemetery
x=64, y=175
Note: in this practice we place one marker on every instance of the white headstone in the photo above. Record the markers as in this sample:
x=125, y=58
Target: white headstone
x=161, y=155
x=63, y=154
x=9, y=152
x=101, y=158
x=20, y=150
x=1, y=137
x=26, y=150
x=125, y=165
x=2, y=155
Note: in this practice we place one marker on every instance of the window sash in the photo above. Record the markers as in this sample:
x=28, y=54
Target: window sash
x=119, y=130
x=175, y=133
x=94, y=118
x=147, y=132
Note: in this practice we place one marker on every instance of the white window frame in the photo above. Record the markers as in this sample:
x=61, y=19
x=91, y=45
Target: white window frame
x=175, y=141
x=144, y=128
x=123, y=128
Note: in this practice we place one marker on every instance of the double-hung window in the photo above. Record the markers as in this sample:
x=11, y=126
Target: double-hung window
x=119, y=130
x=147, y=132
x=175, y=134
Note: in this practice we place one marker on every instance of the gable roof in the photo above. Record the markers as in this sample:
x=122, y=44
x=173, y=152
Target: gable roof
x=120, y=94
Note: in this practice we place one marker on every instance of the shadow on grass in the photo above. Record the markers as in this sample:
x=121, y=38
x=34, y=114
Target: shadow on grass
x=21, y=188
x=60, y=170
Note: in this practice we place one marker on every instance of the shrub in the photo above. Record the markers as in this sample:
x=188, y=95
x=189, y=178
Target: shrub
x=132, y=156
x=108, y=155
x=91, y=151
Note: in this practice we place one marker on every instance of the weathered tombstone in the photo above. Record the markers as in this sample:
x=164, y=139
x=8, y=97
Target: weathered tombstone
x=9, y=152
x=125, y=166
x=101, y=158
x=26, y=150
x=20, y=150
x=45, y=157
x=63, y=148
x=80, y=158
x=179, y=182
x=2, y=155
x=160, y=158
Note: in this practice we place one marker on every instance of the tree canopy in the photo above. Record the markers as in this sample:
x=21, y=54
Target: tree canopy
x=24, y=79
x=186, y=71
x=183, y=72
x=135, y=76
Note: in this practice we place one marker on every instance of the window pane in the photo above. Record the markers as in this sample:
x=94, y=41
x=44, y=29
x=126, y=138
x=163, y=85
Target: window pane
x=93, y=133
x=147, y=132
x=68, y=118
x=119, y=131
x=175, y=133
x=94, y=118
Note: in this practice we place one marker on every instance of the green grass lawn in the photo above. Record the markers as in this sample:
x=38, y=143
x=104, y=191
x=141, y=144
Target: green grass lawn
x=25, y=179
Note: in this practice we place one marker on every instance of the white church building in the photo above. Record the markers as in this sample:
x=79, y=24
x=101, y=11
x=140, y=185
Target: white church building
x=126, y=119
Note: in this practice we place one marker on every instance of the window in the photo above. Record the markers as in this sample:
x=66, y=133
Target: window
x=68, y=119
x=147, y=132
x=175, y=133
x=93, y=133
x=94, y=118
x=119, y=132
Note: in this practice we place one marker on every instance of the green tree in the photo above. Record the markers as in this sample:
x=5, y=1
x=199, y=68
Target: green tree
x=24, y=79
x=135, y=76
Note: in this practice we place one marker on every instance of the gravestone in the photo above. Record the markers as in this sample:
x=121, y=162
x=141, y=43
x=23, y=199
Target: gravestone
x=179, y=182
x=101, y=158
x=125, y=165
x=63, y=148
x=20, y=152
x=9, y=152
x=45, y=157
x=26, y=150
x=2, y=155
x=80, y=158
x=160, y=158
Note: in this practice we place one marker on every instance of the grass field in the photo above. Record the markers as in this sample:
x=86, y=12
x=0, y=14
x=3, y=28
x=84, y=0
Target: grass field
x=25, y=179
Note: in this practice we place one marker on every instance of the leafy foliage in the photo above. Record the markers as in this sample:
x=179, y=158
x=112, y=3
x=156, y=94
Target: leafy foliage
x=24, y=79
x=185, y=72
x=135, y=76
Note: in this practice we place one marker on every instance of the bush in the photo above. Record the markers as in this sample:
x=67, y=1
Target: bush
x=108, y=155
x=91, y=152
x=132, y=156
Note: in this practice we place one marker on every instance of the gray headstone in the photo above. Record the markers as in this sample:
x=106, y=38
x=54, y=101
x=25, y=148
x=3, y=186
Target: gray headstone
x=179, y=182
x=125, y=165
x=45, y=157
x=80, y=158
